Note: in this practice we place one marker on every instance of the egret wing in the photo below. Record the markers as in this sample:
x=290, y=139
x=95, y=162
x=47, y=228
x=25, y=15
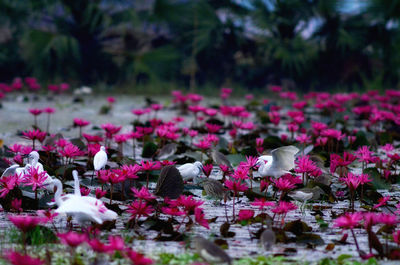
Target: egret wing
x=10, y=171
x=284, y=157
x=100, y=160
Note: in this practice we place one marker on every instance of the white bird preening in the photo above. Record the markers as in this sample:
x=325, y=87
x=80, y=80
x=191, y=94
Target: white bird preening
x=279, y=162
x=100, y=160
x=33, y=161
x=82, y=208
x=190, y=171
x=14, y=169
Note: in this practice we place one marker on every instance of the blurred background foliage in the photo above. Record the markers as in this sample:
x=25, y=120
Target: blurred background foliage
x=301, y=44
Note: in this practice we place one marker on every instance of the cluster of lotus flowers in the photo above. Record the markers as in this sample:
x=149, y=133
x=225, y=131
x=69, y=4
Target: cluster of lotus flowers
x=244, y=129
x=30, y=84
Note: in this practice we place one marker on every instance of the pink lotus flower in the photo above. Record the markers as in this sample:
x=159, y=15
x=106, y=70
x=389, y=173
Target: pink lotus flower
x=351, y=180
x=53, y=88
x=195, y=98
x=259, y=145
x=138, y=258
x=25, y=223
x=332, y=133
x=199, y=217
x=348, y=220
x=245, y=215
x=173, y=211
x=251, y=163
x=93, y=138
x=8, y=183
x=103, y=175
x=213, y=128
x=262, y=203
x=47, y=215
x=139, y=112
x=35, y=112
x=34, y=135
x=49, y=110
x=387, y=219
x=93, y=149
x=16, y=205
x=110, y=100
x=283, y=184
x=274, y=117
x=143, y=194
x=98, y=246
x=207, y=169
x=71, y=151
x=282, y=208
x=303, y=139
x=203, y=144
x=110, y=129
x=275, y=89
x=186, y=202
x=338, y=161
x=84, y=191
x=16, y=258
x=100, y=193
x=149, y=165
x=138, y=209
x=156, y=107
x=34, y=178
x=365, y=155
x=116, y=243
x=241, y=173
x=72, y=239
x=81, y=122
x=235, y=186
x=381, y=201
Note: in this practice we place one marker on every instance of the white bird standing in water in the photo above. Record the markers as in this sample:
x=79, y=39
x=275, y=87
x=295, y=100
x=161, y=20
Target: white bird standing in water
x=33, y=161
x=100, y=160
x=82, y=208
x=279, y=162
x=190, y=170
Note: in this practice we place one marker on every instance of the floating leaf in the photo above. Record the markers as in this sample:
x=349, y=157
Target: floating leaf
x=307, y=238
x=149, y=149
x=297, y=227
x=235, y=159
x=377, y=181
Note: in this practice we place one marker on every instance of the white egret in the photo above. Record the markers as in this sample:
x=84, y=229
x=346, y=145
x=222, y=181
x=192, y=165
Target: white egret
x=302, y=196
x=190, y=170
x=279, y=162
x=14, y=169
x=100, y=160
x=82, y=208
x=33, y=161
